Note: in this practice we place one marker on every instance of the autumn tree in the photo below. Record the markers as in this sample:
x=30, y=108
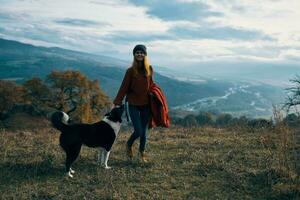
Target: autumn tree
x=68, y=91
x=10, y=95
x=76, y=95
x=37, y=93
x=98, y=100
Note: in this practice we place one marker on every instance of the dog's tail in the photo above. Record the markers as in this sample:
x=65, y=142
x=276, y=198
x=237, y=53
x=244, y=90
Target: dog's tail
x=59, y=120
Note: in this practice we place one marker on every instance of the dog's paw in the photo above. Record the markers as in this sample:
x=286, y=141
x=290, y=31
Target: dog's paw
x=106, y=167
x=72, y=171
x=70, y=175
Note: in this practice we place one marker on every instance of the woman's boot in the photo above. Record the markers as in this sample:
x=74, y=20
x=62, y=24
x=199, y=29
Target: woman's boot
x=143, y=157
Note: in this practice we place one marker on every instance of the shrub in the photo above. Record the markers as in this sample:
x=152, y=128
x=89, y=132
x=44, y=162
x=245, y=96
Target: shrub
x=204, y=118
x=223, y=120
x=190, y=121
x=292, y=120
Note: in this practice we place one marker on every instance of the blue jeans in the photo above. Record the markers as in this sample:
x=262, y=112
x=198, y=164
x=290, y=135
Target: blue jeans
x=140, y=116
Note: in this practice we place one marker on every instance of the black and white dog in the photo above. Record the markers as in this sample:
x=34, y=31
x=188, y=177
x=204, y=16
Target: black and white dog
x=98, y=135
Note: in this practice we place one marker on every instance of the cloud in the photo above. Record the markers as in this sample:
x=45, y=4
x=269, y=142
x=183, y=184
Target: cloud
x=275, y=18
x=90, y=26
x=176, y=10
x=290, y=54
x=34, y=33
x=221, y=33
x=179, y=32
x=118, y=14
x=4, y=17
x=79, y=22
x=138, y=37
x=192, y=51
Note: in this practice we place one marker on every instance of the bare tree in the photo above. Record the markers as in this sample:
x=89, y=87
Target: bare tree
x=293, y=98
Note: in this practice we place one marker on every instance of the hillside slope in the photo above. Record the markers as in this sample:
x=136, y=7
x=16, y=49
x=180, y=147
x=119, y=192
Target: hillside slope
x=203, y=163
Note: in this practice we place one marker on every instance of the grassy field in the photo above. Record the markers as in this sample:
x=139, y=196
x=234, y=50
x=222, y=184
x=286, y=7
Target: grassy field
x=196, y=163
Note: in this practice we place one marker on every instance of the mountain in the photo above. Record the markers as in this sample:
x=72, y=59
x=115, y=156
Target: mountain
x=19, y=61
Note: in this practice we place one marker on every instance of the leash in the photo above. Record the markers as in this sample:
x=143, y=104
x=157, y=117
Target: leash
x=126, y=109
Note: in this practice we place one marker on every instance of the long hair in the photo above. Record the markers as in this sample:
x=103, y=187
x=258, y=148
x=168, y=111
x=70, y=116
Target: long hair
x=145, y=70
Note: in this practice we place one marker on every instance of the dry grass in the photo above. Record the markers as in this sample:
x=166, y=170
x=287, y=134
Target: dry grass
x=200, y=163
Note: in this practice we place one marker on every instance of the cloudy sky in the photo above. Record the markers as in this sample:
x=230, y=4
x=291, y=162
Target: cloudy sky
x=177, y=33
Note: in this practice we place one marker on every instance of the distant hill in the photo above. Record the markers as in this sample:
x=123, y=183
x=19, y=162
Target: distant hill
x=19, y=61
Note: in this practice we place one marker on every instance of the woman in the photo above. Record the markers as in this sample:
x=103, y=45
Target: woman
x=135, y=85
